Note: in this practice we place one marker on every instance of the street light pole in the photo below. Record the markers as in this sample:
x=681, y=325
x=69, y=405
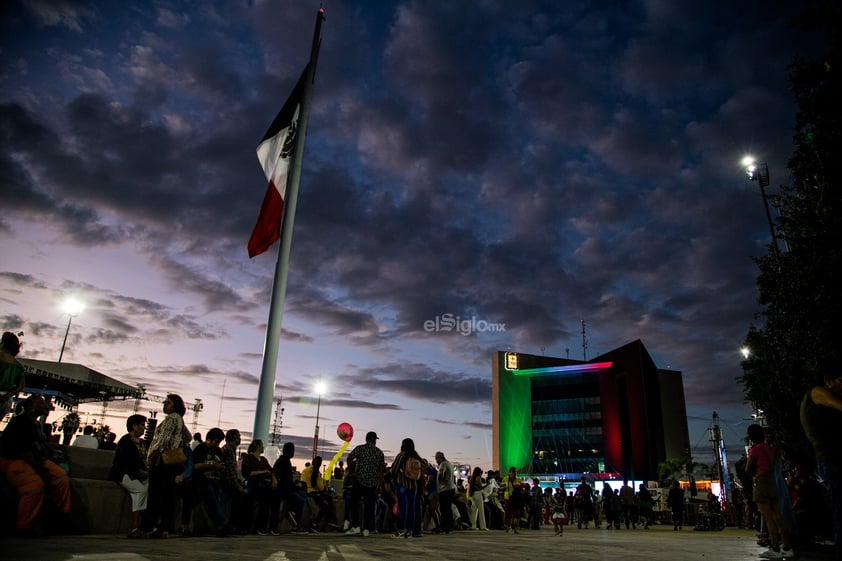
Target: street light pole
x=72, y=308
x=755, y=173
x=63, y=343
x=320, y=389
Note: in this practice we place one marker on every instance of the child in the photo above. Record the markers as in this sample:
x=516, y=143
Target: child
x=558, y=517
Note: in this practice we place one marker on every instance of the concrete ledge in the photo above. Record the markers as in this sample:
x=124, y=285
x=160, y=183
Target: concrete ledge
x=100, y=506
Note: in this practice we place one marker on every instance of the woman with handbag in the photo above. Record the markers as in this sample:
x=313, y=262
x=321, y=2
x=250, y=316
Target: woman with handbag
x=761, y=466
x=165, y=461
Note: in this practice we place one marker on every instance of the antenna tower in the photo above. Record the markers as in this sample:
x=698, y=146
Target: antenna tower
x=584, y=342
x=279, y=421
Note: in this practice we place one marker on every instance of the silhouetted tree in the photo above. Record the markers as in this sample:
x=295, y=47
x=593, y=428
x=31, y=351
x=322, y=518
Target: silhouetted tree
x=799, y=285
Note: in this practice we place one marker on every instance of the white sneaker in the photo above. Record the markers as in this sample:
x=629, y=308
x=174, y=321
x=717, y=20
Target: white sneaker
x=353, y=531
x=787, y=552
x=346, y=525
x=365, y=533
x=771, y=554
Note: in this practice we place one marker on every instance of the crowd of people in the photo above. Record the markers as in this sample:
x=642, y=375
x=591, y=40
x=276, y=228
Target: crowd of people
x=406, y=498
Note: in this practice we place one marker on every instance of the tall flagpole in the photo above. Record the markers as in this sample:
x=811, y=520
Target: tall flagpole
x=266, y=390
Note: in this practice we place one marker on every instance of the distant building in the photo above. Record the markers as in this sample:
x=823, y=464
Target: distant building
x=613, y=416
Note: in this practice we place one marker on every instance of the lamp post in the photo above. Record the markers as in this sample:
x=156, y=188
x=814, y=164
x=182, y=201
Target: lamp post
x=760, y=172
x=72, y=307
x=320, y=389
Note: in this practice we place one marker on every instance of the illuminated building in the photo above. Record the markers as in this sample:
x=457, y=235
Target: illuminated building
x=614, y=416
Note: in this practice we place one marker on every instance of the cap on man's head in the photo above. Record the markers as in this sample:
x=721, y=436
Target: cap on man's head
x=371, y=435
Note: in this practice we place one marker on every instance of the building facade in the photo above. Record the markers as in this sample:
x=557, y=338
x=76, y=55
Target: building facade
x=614, y=416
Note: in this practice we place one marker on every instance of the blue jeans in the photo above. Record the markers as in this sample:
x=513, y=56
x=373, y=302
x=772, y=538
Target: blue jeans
x=832, y=476
x=407, y=504
x=213, y=501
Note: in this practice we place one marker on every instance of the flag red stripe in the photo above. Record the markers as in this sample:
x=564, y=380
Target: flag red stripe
x=268, y=228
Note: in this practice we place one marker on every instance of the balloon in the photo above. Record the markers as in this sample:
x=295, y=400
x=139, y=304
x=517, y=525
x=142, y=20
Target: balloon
x=345, y=431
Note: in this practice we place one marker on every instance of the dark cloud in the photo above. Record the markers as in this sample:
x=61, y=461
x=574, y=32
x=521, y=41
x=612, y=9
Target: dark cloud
x=533, y=165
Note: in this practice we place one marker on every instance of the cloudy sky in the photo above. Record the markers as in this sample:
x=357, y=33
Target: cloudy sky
x=533, y=164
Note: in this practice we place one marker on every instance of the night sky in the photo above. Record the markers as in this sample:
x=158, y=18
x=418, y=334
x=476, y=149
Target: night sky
x=532, y=164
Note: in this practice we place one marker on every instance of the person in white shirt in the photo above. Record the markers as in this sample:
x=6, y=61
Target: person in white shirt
x=86, y=439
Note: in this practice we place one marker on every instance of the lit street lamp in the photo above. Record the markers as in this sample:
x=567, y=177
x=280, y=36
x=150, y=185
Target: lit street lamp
x=72, y=307
x=760, y=172
x=319, y=388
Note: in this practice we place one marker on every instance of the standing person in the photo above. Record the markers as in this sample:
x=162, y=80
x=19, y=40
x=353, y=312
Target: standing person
x=286, y=493
x=760, y=465
x=12, y=379
x=477, y=511
x=158, y=520
x=536, y=504
x=584, y=507
x=407, y=469
x=207, y=476
x=129, y=468
x=558, y=517
x=446, y=489
x=610, y=507
x=512, y=500
x=367, y=460
x=260, y=486
x=821, y=418
x=675, y=500
x=629, y=505
x=645, y=503
x=24, y=463
x=232, y=485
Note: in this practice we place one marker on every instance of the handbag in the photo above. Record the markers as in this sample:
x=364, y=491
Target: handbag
x=174, y=456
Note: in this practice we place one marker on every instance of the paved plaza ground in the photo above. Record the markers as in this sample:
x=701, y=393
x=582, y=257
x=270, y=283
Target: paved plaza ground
x=659, y=543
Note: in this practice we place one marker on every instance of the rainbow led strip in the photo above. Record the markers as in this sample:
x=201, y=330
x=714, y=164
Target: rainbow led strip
x=590, y=367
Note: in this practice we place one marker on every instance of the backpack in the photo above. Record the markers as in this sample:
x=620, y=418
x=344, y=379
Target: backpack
x=412, y=469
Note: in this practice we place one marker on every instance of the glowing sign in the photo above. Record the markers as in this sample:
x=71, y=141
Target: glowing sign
x=511, y=361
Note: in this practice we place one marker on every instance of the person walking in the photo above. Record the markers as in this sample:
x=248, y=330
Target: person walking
x=368, y=461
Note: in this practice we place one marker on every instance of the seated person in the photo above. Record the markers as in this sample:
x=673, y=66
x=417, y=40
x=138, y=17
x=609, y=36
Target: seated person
x=24, y=464
x=87, y=438
x=129, y=468
x=316, y=491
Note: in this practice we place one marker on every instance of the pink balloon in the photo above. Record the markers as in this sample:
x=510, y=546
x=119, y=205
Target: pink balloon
x=345, y=431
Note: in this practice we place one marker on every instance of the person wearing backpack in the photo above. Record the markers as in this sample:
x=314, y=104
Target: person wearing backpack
x=407, y=468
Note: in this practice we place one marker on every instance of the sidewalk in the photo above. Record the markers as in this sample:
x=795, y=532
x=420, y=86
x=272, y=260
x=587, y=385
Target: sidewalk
x=659, y=543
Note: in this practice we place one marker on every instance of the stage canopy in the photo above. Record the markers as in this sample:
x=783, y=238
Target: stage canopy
x=71, y=384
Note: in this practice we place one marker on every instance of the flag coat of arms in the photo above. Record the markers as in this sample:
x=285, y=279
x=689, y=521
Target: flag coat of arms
x=275, y=155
